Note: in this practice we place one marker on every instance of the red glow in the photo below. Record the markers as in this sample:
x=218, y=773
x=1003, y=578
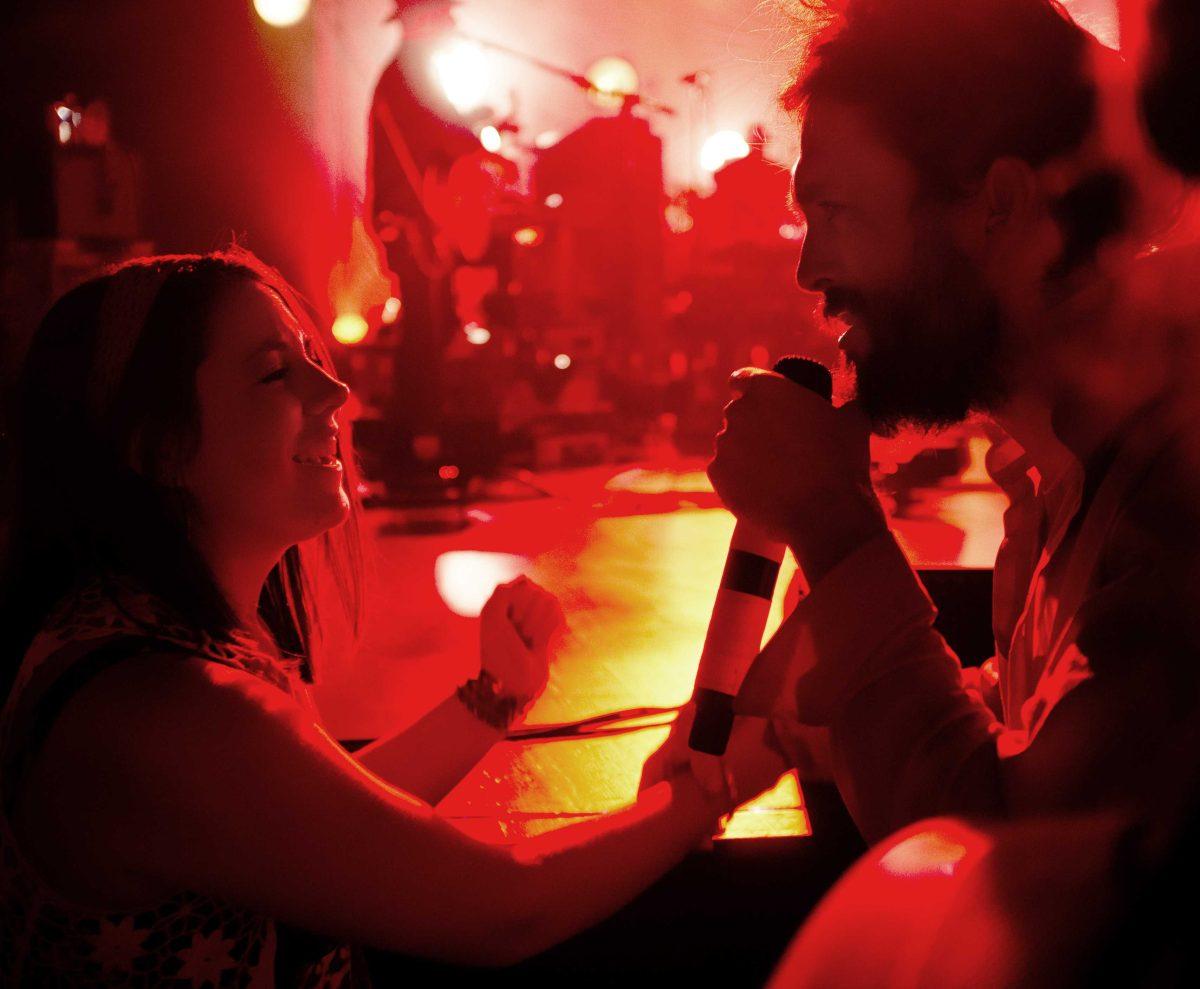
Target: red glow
x=678, y=364
x=679, y=303
x=448, y=472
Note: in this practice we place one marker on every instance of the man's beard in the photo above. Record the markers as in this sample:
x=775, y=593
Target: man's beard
x=936, y=346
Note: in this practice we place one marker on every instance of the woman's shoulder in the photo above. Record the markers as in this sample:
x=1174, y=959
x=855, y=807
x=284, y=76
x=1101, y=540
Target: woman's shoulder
x=104, y=609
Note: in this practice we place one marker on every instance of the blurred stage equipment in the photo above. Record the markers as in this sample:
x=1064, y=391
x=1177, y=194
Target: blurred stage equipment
x=80, y=212
x=739, y=614
x=514, y=306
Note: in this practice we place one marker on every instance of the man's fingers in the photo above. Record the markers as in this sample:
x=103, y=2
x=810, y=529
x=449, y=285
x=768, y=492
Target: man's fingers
x=743, y=377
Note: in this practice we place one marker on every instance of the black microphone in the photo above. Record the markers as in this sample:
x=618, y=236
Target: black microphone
x=739, y=614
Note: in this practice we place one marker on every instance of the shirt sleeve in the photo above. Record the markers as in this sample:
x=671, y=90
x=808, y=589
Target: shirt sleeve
x=910, y=738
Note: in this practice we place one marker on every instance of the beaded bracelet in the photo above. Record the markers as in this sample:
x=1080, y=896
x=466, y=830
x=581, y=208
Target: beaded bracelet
x=482, y=697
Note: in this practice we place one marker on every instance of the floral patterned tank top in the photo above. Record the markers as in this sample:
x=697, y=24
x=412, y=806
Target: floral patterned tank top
x=188, y=940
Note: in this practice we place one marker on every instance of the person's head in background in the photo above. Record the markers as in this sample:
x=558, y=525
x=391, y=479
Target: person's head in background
x=955, y=193
x=176, y=423
x=1169, y=76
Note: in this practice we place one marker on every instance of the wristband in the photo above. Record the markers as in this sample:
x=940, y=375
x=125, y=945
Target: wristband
x=482, y=697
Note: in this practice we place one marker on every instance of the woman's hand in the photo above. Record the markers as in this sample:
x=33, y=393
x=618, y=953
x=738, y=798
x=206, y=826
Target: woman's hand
x=751, y=764
x=517, y=628
x=673, y=756
x=806, y=749
x=752, y=761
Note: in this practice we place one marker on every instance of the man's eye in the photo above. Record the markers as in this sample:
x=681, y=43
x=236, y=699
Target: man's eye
x=275, y=375
x=830, y=208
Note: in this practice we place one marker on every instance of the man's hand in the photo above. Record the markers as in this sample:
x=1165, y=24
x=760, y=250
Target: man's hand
x=797, y=469
x=517, y=628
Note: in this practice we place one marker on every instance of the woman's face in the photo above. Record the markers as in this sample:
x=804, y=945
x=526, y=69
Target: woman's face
x=267, y=473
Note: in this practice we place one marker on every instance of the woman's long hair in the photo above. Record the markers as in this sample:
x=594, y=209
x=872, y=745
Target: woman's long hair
x=106, y=398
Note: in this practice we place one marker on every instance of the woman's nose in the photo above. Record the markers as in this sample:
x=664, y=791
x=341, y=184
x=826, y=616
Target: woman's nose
x=328, y=394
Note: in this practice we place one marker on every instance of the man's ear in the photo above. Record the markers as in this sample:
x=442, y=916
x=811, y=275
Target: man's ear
x=1011, y=195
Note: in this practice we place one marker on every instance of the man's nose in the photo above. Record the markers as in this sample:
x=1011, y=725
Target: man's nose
x=813, y=271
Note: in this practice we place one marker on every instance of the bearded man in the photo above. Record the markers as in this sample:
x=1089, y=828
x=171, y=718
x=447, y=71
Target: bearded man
x=973, y=226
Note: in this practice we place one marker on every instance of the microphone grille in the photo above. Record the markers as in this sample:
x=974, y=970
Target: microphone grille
x=808, y=374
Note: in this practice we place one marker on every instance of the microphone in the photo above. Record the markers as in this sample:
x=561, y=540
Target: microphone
x=743, y=602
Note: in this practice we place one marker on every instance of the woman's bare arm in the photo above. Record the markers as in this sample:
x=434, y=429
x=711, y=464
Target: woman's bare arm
x=192, y=775
x=517, y=626
x=429, y=757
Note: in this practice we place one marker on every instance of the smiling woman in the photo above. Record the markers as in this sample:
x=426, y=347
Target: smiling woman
x=182, y=477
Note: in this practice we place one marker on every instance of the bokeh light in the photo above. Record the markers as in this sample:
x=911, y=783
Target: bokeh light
x=721, y=148
x=476, y=334
x=281, y=13
x=491, y=140
x=527, y=236
x=350, y=328
x=465, y=579
x=391, y=309
x=612, y=78
x=461, y=69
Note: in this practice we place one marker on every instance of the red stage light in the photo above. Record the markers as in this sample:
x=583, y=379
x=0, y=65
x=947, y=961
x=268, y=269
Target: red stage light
x=612, y=78
x=491, y=140
x=350, y=328
x=527, y=237
x=476, y=334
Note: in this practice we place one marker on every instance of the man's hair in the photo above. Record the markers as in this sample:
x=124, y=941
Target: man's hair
x=953, y=85
x=1171, y=83
x=87, y=496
